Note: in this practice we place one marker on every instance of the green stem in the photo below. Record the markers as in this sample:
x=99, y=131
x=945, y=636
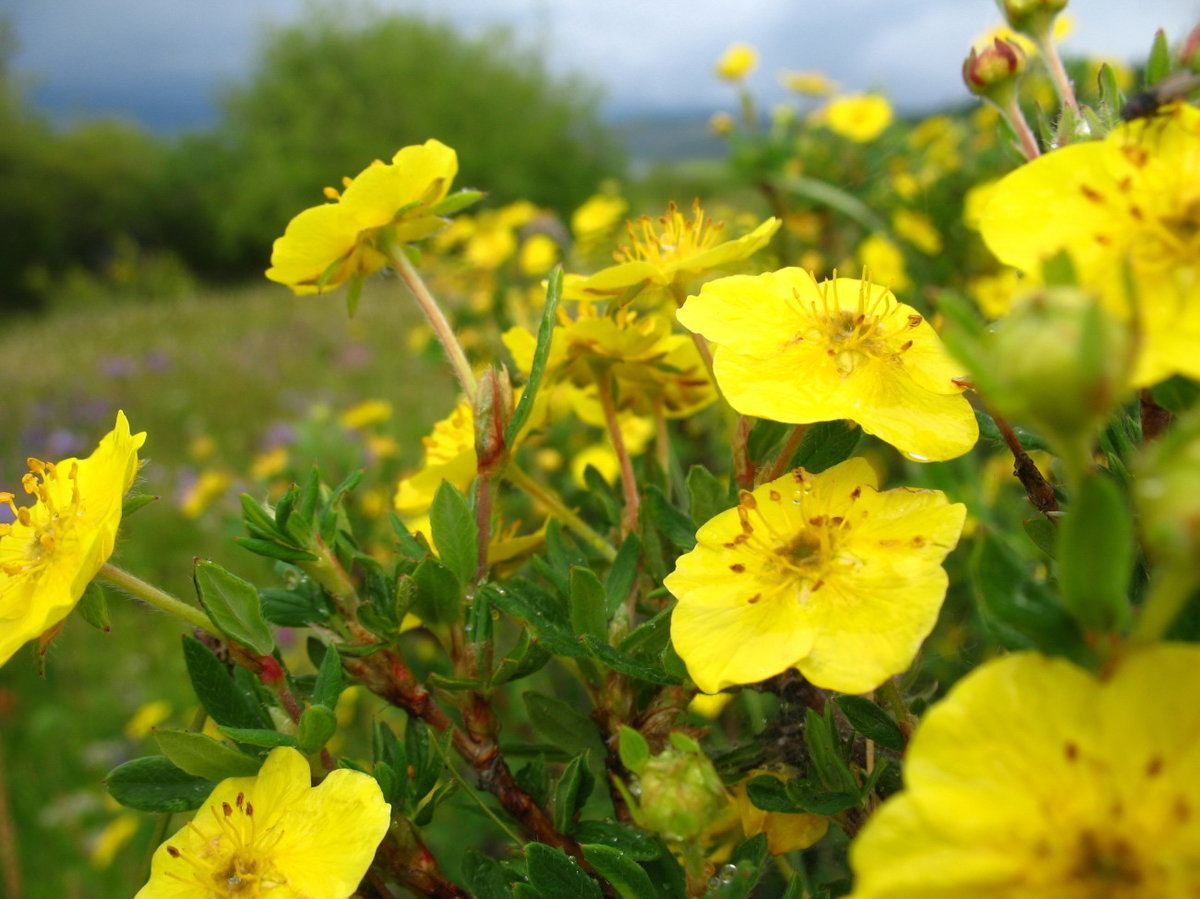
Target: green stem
x=437, y=320
x=1169, y=593
x=1012, y=111
x=470, y=791
x=783, y=461
x=556, y=507
x=156, y=597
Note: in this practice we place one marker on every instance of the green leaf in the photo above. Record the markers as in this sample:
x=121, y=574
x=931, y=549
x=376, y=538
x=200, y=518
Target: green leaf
x=825, y=444
x=134, y=502
x=549, y=619
x=708, y=494
x=632, y=748
x=629, y=840
x=294, y=608
x=273, y=550
x=770, y=794
x=650, y=637
x=330, y=682
x=587, y=607
x=623, y=574
x=258, y=736
x=454, y=532
x=317, y=725
x=439, y=596
x=1043, y=533
x=202, y=756
x=1111, y=96
x=484, y=877
x=561, y=724
x=571, y=792
x=234, y=607
x=224, y=701
x=541, y=353
x=555, y=875
x=457, y=201
x=667, y=874
x=872, y=722
x=1176, y=394
x=523, y=659
x=1095, y=556
x=736, y=879
x=1158, y=66
x=156, y=784
x=625, y=664
x=258, y=521
x=627, y=877
x=93, y=607
x=674, y=524
x=825, y=752
x=828, y=802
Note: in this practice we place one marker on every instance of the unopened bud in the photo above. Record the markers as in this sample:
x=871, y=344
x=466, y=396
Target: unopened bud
x=678, y=794
x=493, y=410
x=1064, y=361
x=1032, y=17
x=994, y=71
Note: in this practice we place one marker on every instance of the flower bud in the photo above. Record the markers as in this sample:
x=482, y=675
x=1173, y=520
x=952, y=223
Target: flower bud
x=994, y=71
x=1032, y=17
x=493, y=410
x=678, y=792
x=1063, y=361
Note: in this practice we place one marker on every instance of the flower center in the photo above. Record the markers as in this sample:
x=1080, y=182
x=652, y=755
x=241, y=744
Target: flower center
x=852, y=338
x=1109, y=866
x=235, y=859
x=28, y=543
x=672, y=238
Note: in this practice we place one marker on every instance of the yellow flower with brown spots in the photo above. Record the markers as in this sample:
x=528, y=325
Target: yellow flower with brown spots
x=823, y=573
x=792, y=350
x=1035, y=779
x=1127, y=211
x=275, y=835
x=54, y=547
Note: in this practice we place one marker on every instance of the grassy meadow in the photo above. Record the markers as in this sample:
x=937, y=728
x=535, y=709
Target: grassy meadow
x=216, y=380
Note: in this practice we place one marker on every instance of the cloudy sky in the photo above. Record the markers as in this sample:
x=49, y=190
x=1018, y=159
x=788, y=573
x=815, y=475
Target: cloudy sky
x=161, y=61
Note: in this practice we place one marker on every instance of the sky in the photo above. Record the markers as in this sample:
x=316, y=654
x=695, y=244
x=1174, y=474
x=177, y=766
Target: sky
x=163, y=62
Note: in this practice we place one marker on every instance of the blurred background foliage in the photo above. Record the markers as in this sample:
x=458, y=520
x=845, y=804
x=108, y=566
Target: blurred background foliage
x=107, y=207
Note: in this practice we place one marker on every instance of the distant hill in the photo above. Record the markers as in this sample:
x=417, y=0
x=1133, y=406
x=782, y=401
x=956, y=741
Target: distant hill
x=650, y=138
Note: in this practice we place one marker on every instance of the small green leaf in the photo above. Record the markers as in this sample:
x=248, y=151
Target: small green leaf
x=632, y=749
x=457, y=201
x=541, y=353
x=439, y=596
x=626, y=664
x=1176, y=394
x=872, y=722
x=135, y=502
x=93, y=607
x=828, y=802
x=674, y=524
x=258, y=736
x=202, y=756
x=588, y=614
x=330, y=682
x=824, y=751
x=770, y=794
x=523, y=659
x=545, y=614
x=484, y=876
x=1095, y=556
x=455, y=534
x=555, y=875
x=571, y=791
x=317, y=725
x=825, y=444
x=650, y=637
x=1158, y=66
x=258, y=521
x=561, y=724
x=627, y=877
x=707, y=493
x=1043, y=533
x=623, y=574
x=234, y=607
x=224, y=701
x=273, y=550
x=156, y=784
x=630, y=841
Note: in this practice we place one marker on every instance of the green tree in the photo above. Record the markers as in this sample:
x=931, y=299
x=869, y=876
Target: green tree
x=349, y=84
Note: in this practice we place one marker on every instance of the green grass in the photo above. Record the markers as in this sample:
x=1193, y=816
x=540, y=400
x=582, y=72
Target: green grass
x=232, y=368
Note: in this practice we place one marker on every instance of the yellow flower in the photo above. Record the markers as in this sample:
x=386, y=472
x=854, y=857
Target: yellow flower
x=275, y=835
x=823, y=573
x=737, y=62
x=449, y=456
x=597, y=216
x=663, y=257
x=815, y=84
x=538, y=255
x=1033, y=778
x=859, y=117
x=208, y=487
x=884, y=261
x=54, y=548
x=1127, y=211
x=918, y=230
x=366, y=414
x=792, y=350
x=785, y=831
x=385, y=204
